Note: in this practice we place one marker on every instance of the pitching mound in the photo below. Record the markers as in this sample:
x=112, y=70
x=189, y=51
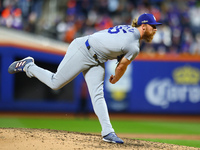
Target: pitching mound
x=43, y=139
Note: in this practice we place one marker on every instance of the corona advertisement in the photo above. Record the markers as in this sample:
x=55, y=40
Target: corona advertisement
x=166, y=87
x=184, y=86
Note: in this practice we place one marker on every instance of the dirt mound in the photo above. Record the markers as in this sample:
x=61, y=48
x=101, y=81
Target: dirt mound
x=44, y=139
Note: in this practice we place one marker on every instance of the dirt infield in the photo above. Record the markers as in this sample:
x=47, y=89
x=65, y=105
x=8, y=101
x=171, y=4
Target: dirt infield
x=43, y=139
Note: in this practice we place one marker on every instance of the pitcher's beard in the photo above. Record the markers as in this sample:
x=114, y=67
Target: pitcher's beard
x=148, y=37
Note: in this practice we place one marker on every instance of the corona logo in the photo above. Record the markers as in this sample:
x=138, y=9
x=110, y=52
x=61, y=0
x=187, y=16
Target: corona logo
x=186, y=75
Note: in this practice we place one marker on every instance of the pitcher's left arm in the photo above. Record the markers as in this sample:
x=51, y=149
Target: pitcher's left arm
x=120, y=70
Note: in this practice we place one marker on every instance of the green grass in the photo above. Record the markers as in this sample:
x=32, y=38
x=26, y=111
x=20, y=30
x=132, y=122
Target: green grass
x=120, y=126
x=191, y=143
x=78, y=125
x=157, y=127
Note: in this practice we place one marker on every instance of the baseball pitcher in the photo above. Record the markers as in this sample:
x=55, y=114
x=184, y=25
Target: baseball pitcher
x=87, y=55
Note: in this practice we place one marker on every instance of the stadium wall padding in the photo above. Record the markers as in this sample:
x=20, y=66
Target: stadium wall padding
x=167, y=85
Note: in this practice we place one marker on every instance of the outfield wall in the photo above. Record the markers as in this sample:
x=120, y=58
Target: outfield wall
x=152, y=84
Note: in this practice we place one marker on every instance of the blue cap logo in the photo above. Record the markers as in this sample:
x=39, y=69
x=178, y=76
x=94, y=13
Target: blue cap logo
x=147, y=19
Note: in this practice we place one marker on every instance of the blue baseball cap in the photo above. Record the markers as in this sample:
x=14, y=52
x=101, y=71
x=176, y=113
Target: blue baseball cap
x=147, y=19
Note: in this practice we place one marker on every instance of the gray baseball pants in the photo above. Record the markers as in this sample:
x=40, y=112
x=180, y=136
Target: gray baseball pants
x=77, y=60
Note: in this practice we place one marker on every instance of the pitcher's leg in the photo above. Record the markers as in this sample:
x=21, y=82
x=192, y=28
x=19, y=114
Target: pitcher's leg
x=45, y=76
x=95, y=78
x=71, y=65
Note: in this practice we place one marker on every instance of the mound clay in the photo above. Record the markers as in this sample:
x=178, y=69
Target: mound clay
x=44, y=139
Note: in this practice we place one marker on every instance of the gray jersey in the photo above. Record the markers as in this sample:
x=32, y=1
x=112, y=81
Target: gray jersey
x=122, y=40
x=107, y=44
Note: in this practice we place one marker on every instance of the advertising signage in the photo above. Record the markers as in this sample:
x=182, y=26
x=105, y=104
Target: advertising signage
x=156, y=87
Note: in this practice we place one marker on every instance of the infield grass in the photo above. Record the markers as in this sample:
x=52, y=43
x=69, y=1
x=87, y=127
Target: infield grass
x=120, y=126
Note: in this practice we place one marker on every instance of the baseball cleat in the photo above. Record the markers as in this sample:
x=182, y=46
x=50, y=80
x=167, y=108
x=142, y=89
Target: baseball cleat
x=18, y=66
x=112, y=138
